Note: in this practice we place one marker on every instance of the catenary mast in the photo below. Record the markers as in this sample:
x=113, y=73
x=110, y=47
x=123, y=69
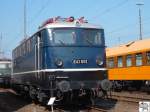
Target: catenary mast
x=140, y=20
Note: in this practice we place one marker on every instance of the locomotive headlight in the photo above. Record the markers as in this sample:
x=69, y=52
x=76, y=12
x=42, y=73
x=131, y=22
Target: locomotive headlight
x=99, y=61
x=105, y=84
x=64, y=86
x=59, y=63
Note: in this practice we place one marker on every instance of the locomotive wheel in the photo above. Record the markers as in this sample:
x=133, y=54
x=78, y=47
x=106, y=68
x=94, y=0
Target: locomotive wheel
x=59, y=95
x=33, y=93
x=42, y=97
x=67, y=98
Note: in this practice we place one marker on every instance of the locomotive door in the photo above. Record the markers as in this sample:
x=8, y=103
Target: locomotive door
x=38, y=53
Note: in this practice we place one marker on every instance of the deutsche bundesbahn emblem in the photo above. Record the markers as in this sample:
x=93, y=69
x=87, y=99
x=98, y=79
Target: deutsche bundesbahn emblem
x=144, y=106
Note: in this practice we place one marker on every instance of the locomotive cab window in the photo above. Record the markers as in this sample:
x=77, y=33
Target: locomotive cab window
x=128, y=60
x=63, y=36
x=92, y=36
x=120, y=61
x=148, y=58
x=110, y=62
x=138, y=59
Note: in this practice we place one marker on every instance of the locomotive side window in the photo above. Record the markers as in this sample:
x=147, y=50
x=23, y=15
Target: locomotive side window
x=23, y=49
x=120, y=63
x=110, y=62
x=64, y=36
x=19, y=51
x=32, y=42
x=14, y=53
x=45, y=35
x=28, y=45
x=148, y=58
x=128, y=60
x=138, y=59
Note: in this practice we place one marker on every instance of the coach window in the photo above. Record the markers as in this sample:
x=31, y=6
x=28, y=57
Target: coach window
x=138, y=59
x=120, y=63
x=148, y=58
x=129, y=60
x=110, y=62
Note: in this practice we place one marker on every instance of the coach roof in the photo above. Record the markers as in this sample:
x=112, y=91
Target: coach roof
x=131, y=47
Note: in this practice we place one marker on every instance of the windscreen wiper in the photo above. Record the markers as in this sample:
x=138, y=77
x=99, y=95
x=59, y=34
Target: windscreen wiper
x=62, y=42
x=89, y=41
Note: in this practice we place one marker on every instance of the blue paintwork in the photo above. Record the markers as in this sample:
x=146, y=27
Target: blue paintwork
x=68, y=54
x=49, y=52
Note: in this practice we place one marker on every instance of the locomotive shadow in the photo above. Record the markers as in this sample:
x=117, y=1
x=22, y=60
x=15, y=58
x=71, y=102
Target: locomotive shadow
x=106, y=104
x=9, y=102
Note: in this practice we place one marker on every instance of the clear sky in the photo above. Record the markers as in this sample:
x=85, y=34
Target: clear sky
x=119, y=18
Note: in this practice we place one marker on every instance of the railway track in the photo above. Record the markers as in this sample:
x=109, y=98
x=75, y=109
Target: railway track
x=59, y=110
x=96, y=109
x=101, y=105
x=89, y=109
x=93, y=109
x=130, y=97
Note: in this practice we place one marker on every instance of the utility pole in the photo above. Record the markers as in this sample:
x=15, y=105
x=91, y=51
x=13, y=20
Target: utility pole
x=1, y=51
x=25, y=23
x=119, y=40
x=0, y=44
x=140, y=20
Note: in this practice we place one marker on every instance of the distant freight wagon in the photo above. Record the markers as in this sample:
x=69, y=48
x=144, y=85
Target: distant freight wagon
x=5, y=72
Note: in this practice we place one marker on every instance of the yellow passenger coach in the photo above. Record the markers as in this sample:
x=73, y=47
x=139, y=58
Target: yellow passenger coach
x=130, y=61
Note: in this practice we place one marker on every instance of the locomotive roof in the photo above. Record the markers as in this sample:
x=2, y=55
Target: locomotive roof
x=71, y=24
x=131, y=47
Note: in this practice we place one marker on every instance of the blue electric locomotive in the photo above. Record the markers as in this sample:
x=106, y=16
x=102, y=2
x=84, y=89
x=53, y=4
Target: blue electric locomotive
x=65, y=59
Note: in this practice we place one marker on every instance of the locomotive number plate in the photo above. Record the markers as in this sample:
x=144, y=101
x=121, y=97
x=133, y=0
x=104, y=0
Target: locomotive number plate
x=80, y=61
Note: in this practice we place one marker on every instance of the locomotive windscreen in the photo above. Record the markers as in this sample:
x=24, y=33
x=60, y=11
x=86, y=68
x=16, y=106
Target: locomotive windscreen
x=77, y=36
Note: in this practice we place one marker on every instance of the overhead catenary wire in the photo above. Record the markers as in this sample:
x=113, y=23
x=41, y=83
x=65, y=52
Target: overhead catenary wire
x=109, y=9
x=25, y=19
x=34, y=18
x=127, y=26
x=39, y=12
x=131, y=33
x=1, y=52
x=102, y=13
